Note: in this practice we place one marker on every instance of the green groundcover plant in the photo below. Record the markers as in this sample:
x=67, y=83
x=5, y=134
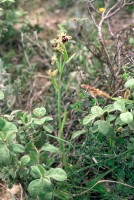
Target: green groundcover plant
x=25, y=152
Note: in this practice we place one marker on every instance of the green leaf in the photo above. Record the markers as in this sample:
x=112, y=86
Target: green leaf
x=126, y=117
x=108, y=108
x=18, y=148
x=48, y=128
x=47, y=118
x=65, y=56
x=57, y=174
x=39, y=121
x=131, y=40
x=119, y=105
x=88, y=119
x=4, y=154
x=9, y=127
x=50, y=148
x=131, y=126
x=40, y=187
x=130, y=83
x=71, y=58
x=1, y=95
x=42, y=170
x=2, y=123
x=96, y=110
x=111, y=118
x=77, y=134
x=54, y=83
x=1, y=135
x=30, y=147
x=25, y=160
x=10, y=136
x=94, y=129
x=126, y=101
x=3, y=1
x=104, y=127
x=48, y=196
x=39, y=112
x=35, y=172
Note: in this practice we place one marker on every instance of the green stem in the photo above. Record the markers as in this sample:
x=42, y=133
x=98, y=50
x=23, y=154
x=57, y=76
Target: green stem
x=59, y=102
x=61, y=124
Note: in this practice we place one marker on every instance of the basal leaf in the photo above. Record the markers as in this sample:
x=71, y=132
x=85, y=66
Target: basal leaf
x=39, y=112
x=57, y=174
x=88, y=119
x=50, y=148
x=126, y=117
x=40, y=187
x=96, y=110
x=104, y=127
x=119, y=105
x=77, y=134
x=130, y=83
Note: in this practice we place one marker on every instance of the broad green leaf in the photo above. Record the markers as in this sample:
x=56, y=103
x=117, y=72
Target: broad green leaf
x=33, y=156
x=118, y=121
x=126, y=117
x=4, y=154
x=40, y=187
x=131, y=126
x=1, y=95
x=50, y=148
x=10, y=136
x=57, y=174
x=47, y=196
x=131, y=40
x=1, y=135
x=130, y=83
x=9, y=127
x=3, y=1
x=48, y=128
x=94, y=129
x=108, y=108
x=39, y=112
x=110, y=118
x=18, y=148
x=119, y=105
x=39, y=121
x=35, y=172
x=77, y=134
x=104, y=127
x=47, y=118
x=30, y=147
x=2, y=123
x=41, y=139
x=50, y=162
x=24, y=160
x=126, y=101
x=88, y=119
x=96, y=110
x=42, y=170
